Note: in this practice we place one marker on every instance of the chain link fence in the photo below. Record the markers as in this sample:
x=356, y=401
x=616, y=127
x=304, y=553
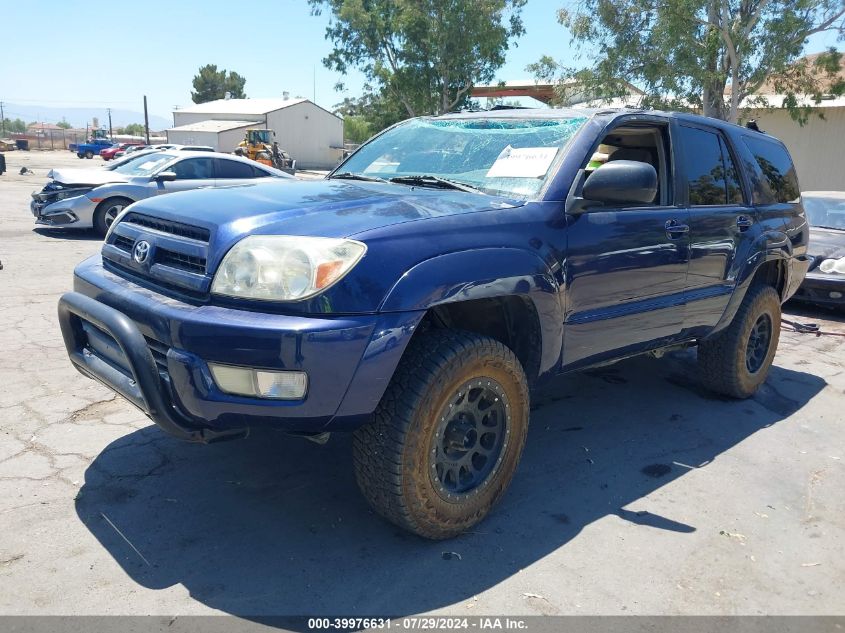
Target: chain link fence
x=44, y=139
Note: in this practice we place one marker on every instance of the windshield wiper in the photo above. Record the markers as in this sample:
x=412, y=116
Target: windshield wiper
x=348, y=175
x=435, y=181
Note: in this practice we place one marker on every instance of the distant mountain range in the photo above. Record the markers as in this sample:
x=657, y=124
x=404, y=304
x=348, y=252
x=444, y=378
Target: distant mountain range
x=80, y=117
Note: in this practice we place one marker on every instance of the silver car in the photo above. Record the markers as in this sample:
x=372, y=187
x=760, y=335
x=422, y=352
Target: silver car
x=92, y=198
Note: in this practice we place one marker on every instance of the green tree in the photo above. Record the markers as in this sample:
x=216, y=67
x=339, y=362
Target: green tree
x=685, y=53
x=211, y=84
x=64, y=124
x=424, y=54
x=379, y=108
x=14, y=126
x=134, y=129
x=356, y=129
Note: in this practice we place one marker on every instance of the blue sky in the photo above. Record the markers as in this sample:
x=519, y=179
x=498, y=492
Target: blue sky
x=109, y=54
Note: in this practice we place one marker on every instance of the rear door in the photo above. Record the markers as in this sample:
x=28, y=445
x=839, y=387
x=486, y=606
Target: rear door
x=233, y=172
x=720, y=218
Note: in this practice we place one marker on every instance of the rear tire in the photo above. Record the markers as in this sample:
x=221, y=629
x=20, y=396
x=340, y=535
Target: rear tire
x=106, y=213
x=737, y=360
x=447, y=436
x=89, y=154
x=80, y=155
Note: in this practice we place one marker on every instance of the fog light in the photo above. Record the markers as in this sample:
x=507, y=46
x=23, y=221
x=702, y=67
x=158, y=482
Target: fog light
x=834, y=294
x=284, y=385
x=260, y=383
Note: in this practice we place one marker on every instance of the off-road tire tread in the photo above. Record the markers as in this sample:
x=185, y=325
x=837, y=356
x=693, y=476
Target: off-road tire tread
x=378, y=446
x=721, y=359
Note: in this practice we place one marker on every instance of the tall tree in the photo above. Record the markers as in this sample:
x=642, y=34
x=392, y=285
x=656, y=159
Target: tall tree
x=135, y=129
x=686, y=53
x=16, y=125
x=425, y=54
x=211, y=84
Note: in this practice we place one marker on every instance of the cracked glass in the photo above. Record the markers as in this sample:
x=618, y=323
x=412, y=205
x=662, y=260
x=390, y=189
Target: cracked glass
x=466, y=150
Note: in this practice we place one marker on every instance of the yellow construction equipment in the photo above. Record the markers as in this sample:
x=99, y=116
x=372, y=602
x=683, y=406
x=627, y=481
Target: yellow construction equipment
x=260, y=145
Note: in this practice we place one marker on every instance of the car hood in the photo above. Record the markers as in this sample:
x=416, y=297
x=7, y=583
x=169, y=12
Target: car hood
x=324, y=208
x=826, y=244
x=85, y=176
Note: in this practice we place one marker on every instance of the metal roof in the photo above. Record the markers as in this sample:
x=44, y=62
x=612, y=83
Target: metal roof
x=213, y=125
x=241, y=106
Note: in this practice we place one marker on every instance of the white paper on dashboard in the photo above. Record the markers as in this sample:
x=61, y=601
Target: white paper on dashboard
x=522, y=162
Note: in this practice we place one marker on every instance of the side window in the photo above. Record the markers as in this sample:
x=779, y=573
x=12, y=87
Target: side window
x=703, y=166
x=647, y=144
x=234, y=169
x=193, y=169
x=734, y=189
x=775, y=180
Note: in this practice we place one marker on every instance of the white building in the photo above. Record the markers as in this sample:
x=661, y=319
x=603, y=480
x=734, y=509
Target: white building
x=310, y=134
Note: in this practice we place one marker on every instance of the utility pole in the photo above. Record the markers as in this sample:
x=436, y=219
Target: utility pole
x=2, y=119
x=111, y=136
x=146, y=121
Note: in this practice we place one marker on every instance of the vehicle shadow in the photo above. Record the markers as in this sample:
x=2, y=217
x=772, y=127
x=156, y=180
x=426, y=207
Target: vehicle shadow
x=811, y=311
x=58, y=233
x=275, y=526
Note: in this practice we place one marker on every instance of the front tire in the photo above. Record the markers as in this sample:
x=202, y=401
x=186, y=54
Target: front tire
x=737, y=360
x=106, y=213
x=447, y=436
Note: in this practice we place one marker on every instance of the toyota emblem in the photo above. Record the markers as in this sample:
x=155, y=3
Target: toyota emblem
x=141, y=252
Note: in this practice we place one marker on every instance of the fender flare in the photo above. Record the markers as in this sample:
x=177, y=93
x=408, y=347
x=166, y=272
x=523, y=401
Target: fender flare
x=769, y=246
x=485, y=273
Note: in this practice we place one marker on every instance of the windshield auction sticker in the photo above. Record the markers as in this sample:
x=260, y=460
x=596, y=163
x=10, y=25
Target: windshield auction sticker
x=522, y=162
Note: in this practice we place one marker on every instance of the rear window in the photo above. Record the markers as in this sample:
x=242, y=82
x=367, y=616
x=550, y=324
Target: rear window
x=234, y=169
x=775, y=180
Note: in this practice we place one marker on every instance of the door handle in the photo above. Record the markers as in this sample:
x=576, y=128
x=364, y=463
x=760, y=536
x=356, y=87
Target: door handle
x=744, y=223
x=675, y=229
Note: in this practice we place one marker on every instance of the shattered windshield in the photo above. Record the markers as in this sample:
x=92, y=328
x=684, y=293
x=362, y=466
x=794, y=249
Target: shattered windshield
x=509, y=157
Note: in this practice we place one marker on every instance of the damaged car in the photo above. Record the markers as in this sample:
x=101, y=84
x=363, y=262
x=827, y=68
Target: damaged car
x=92, y=198
x=825, y=281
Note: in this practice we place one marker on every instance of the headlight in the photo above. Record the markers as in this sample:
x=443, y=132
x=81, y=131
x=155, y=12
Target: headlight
x=833, y=266
x=284, y=267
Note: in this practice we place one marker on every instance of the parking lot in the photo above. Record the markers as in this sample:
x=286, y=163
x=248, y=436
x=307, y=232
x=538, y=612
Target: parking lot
x=638, y=493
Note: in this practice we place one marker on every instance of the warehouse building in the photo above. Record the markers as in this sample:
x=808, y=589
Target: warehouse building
x=310, y=134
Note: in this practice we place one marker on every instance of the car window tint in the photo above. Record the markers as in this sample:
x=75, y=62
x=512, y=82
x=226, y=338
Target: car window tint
x=234, y=169
x=193, y=169
x=775, y=180
x=703, y=166
x=734, y=189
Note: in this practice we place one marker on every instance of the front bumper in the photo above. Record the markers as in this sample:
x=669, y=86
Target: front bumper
x=823, y=289
x=154, y=351
x=77, y=211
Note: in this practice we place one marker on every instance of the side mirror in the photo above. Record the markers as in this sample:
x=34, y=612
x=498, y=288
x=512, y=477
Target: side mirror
x=622, y=181
x=165, y=176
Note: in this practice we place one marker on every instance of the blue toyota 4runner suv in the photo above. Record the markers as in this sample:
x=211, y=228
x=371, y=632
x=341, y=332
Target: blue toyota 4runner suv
x=416, y=294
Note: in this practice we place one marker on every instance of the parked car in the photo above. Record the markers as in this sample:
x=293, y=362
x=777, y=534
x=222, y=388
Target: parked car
x=111, y=152
x=825, y=280
x=450, y=264
x=134, y=148
x=91, y=148
x=93, y=198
